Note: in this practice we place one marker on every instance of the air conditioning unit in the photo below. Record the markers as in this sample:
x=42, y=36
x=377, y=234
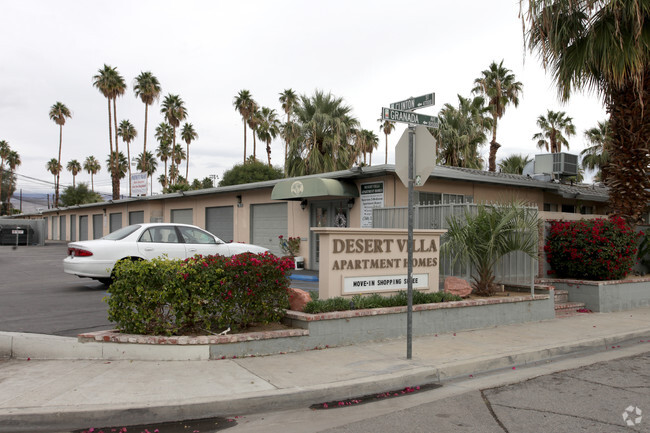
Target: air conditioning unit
x=562, y=164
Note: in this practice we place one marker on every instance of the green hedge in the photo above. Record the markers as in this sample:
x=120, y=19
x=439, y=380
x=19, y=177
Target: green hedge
x=198, y=295
x=375, y=300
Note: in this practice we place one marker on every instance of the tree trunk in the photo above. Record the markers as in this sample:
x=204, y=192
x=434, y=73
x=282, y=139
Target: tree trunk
x=494, y=146
x=187, y=165
x=144, y=148
x=386, y=162
x=626, y=172
x=116, y=164
x=58, y=173
x=244, y=140
x=268, y=151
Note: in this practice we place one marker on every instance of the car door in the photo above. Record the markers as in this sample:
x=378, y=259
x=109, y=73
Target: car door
x=201, y=242
x=161, y=240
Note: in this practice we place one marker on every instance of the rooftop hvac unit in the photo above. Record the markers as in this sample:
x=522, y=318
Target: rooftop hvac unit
x=563, y=164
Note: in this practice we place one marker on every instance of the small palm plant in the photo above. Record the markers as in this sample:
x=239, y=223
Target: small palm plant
x=482, y=239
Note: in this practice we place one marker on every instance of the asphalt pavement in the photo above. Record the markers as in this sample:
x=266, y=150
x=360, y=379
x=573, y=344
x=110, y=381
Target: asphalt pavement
x=44, y=395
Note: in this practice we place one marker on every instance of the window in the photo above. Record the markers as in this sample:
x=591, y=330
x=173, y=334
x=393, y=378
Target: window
x=550, y=207
x=568, y=208
x=586, y=210
x=164, y=235
x=425, y=198
x=194, y=236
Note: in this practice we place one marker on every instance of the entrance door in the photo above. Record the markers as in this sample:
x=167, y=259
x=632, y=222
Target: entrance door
x=331, y=213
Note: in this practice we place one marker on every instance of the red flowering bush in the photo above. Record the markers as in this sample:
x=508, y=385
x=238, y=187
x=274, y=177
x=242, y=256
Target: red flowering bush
x=198, y=295
x=600, y=249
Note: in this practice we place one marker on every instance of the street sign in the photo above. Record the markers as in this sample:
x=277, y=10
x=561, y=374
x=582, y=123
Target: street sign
x=424, y=160
x=415, y=103
x=393, y=115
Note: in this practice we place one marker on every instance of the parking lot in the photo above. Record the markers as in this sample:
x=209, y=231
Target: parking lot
x=37, y=296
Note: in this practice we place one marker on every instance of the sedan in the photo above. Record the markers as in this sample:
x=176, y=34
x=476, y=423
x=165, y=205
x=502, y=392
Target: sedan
x=96, y=258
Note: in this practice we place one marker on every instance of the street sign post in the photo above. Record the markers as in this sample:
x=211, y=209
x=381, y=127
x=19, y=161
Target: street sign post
x=415, y=103
x=415, y=137
x=409, y=117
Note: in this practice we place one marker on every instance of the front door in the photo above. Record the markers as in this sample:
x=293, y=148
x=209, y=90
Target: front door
x=331, y=213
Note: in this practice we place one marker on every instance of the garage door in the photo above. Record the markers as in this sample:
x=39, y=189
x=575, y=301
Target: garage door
x=73, y=227
x=115, y=222
x=182, y=216
x=62, y=233
x=83, y=228
x=268, y=221
x=98, y=226
x=219, y=222
x=136, y=217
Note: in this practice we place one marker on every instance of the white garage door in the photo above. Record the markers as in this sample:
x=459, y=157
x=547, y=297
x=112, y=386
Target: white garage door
x=268, y=221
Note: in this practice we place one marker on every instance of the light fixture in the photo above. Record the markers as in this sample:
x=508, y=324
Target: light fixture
x=303, y=204
x=350, y=203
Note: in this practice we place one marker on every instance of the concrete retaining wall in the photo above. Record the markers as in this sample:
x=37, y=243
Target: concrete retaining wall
x=607, y=296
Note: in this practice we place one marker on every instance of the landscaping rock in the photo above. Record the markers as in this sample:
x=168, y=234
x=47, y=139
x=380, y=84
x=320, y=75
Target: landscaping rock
x=457, y=286
x=298, y=299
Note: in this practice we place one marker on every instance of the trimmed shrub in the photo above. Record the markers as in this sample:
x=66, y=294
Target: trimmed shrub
x=600, y=249
x=358, y=302
x=199, y=294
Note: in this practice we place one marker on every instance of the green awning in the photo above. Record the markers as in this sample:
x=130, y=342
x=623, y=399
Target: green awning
x=298, y=189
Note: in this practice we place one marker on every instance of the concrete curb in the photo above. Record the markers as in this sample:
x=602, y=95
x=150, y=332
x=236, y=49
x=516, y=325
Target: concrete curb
x=37, y=419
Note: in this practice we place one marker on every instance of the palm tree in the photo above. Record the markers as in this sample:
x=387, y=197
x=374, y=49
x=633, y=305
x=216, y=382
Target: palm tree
x=4, y=154
x=164, y=136
x=147, y=88
x=128, y=133
x=179, y=156
x=365, y=142
x=111, y=84
x=596, y=156
x=386, y=127
x=188, y=134
x=162, y=179
x=58, y=113
x=514, y=164
x=268, y=129
x=288, y=99
x=245, y=104
x=481, y=239
x=603, y=47
x=253, y=123
x=173, y=108
x=122, y=164
x=13, y=161
x=499, y=87
x=92, y=166
x=462, y=131
x=372, y=142
x=326, y=130
x=73, y=167
x=55, y=168
x=147, y=164
x=552, y=126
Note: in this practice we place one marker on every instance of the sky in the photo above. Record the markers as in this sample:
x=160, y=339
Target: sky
x=370, y=53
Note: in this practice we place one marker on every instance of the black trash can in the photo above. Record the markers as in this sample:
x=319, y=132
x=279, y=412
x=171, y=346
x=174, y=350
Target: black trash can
x=16, y=235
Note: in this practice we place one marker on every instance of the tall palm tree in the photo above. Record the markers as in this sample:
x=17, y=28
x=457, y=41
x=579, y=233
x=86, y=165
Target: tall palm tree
x=58, y=113
x=372, y=142
x=268, y=129
x=596, y=156
x=122, y=164
x=253, y=123
x=603, y=47
x=552, y=126
x=164, y=136
x=386, y=127
x=73, y=167
x=179, y=156
x=514, y=164
x=92, y=166
x=173, y=108
x=325, y=141
x=245, y=104
x=4, y=154
x=147, y=164
x=188, y=134
x=462, y=131
x=13, y=161
x=147, y=88
x=111, y=84
x=499, y=87
x=128, y=133
x=55, y=168
x=288, y=99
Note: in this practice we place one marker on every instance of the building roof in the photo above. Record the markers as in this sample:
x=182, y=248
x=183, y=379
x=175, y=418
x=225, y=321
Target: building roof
x=577, y=191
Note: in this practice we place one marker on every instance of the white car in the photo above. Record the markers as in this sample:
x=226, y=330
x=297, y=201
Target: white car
x=96, y=258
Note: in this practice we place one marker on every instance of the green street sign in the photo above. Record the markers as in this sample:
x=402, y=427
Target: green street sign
x=415, y=103
x=393, y=115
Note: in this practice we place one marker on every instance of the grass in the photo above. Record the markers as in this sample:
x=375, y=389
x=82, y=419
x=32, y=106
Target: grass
x=359, y=302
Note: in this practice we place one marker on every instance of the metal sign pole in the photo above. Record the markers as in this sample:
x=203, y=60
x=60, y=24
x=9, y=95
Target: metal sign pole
x=409, y=277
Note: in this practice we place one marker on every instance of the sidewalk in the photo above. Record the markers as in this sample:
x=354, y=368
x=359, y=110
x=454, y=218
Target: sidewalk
x=64, y=395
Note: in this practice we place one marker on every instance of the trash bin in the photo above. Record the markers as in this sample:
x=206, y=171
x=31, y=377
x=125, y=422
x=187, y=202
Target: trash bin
x=16, y=235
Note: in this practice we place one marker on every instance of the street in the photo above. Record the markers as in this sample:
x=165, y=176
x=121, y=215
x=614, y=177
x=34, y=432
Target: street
x=575, y=397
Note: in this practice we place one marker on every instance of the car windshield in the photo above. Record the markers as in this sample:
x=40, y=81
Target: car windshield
x=121, y=233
